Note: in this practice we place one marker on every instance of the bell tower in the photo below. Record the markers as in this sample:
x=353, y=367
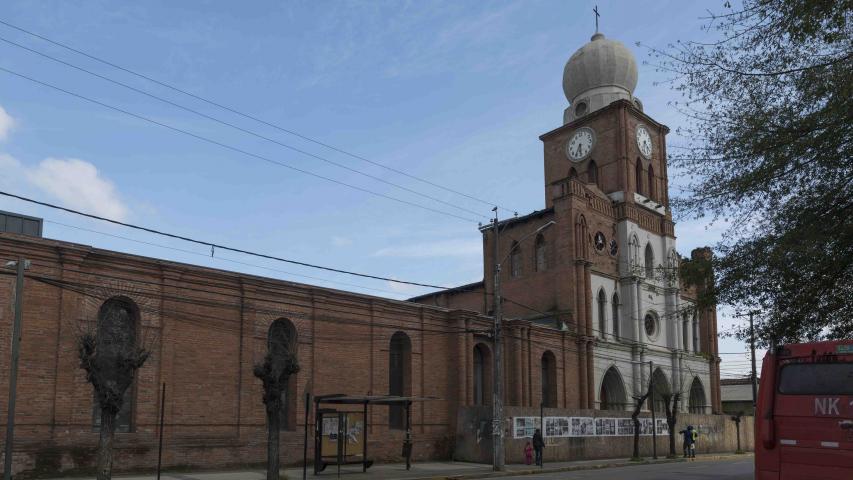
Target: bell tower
x=606, y=141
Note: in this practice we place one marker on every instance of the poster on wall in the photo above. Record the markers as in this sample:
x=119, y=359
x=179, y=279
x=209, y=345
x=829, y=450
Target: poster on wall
x=663, y=427
x=646, y=426
x=557, y=427
x=605, y=426
x=524, y=427
x=582, y=426
x=625, y=426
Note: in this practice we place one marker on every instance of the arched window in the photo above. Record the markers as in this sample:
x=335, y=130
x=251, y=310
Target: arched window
x=399, y=377
x=592, y=173
x=638, y=176
x=662, y=390
x=602, y=318
x=118, y=320
x=515, y=260
x=482, y=374
x=696, y=402
x=651, y=183
x=281, y=344
x=650, y=262
x=573, y=174
x=612, y=395
x=549, y=380
x=616, y=322
x=685, y=330
x=540, y=260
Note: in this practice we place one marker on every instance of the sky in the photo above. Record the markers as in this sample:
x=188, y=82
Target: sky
x=453, y=93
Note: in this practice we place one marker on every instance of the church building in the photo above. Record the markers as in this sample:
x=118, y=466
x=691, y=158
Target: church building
x=593, y=305
x=599, y=261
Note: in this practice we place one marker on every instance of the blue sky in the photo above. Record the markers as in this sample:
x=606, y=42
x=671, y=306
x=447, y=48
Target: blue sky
x=453, y=92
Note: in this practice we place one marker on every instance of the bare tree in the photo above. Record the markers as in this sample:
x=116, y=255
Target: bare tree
x=639, y=400
x=110, y=355
x=670, y=404
x=280, y=362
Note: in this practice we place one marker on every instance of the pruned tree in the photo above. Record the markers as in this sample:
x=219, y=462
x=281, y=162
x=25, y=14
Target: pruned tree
x=110, y=354
x=280, y=362
x=639, y=400
x=765, y=149
x=670, y=404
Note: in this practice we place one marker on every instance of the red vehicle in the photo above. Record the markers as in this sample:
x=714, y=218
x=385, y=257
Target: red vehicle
x=804, y=413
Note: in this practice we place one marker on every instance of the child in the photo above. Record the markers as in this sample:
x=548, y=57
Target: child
x=528, y=453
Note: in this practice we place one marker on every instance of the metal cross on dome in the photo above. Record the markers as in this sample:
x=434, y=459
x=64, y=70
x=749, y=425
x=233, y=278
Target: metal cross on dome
x=595, y=10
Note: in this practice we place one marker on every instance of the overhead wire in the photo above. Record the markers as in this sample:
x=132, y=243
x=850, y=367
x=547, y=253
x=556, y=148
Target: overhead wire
x=241, y=129
x=250, y=116
x=215, y=245
x=233, y=148
x=220, y=258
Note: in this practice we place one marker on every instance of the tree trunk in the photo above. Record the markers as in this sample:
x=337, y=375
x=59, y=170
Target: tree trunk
x=273, y=460
x=671, y=420
x=105, y=445
x=636, y=436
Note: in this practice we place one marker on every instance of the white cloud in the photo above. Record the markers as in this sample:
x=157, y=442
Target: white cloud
x=441, y=248
x=6, y=123
x=79, y=185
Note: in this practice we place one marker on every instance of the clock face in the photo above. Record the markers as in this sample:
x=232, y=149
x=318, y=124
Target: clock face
x=644, y=141
x=580, y=144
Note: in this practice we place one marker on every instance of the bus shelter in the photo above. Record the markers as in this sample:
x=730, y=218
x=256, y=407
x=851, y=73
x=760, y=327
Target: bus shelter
x=340, y=431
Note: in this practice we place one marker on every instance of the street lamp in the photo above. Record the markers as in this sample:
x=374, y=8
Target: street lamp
x=497, y=387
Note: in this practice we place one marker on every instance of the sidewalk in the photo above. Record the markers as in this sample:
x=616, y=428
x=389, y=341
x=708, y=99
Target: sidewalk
x=424, y=471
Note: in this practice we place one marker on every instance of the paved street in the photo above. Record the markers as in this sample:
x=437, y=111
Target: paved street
x=738, y=469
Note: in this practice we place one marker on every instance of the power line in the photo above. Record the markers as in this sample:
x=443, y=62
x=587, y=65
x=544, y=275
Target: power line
x=233, y=148
x=241, y=129
x=205, y=255
x=251, y=117
x=216, y=245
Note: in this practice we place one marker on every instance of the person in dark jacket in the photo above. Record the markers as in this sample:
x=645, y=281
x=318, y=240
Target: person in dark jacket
x=689, y=438
x=538, y=445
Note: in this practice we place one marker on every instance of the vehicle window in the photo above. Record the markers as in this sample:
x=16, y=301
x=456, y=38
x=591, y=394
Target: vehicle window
x=816, y=379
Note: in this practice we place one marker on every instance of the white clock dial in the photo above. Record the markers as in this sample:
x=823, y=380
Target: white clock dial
x=644, y=141
x=579, y=146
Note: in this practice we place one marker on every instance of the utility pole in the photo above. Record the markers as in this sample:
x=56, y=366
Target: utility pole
x=498, y=378
x=20, y=265
x=497, y=383
x=752, y=350
x=654, y=421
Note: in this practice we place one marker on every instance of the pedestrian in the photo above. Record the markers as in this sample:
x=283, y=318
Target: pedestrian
x=528, y=454
x=695, y=435
x=687, y=435
x=538, y=445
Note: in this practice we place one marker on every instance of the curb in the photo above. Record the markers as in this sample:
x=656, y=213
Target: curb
x=573, y=468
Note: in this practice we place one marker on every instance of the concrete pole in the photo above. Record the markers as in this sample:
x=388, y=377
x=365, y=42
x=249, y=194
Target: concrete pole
x=497, y=382
x=21, y=265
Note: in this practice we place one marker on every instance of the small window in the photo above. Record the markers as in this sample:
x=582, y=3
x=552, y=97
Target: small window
x=541, y=262
x=615, y=318
x=651, y=183
x=515, y=260
x=638, y=176
x=602, y=306
x=650, y=262
x=580, y=109
x=816, y=379
x=592, y=173
x=573, y=173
